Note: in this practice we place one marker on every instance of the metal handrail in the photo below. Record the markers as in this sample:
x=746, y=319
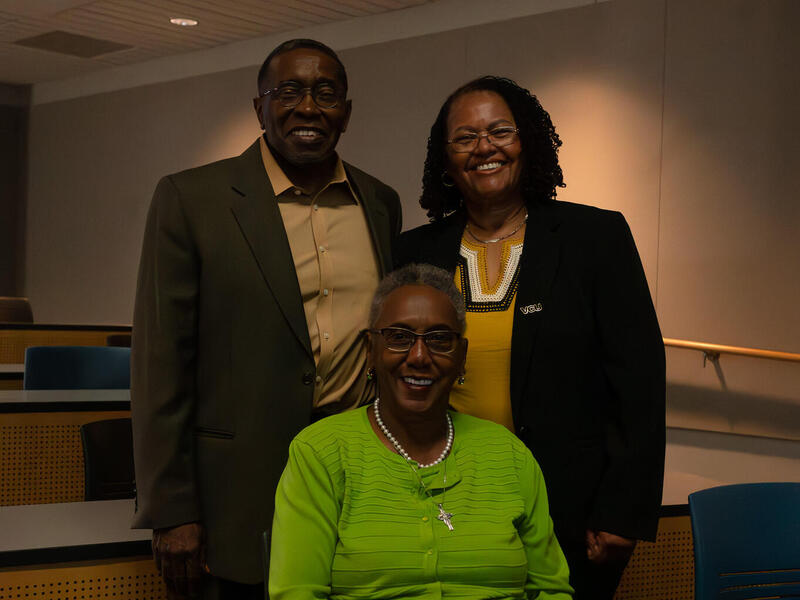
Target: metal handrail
x=713, y=351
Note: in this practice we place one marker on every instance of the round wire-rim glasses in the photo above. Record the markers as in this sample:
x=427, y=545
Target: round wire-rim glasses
x=324, y=95
x=400, y=339
x=498, y=137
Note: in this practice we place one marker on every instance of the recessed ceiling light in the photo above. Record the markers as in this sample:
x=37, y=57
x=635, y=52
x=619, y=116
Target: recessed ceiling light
x=183, y=21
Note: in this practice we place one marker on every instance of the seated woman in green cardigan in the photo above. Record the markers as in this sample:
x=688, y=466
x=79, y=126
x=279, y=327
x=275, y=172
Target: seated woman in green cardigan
x=404, y=498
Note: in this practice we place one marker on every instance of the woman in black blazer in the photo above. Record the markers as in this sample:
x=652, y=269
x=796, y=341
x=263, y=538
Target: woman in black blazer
x=565, y=348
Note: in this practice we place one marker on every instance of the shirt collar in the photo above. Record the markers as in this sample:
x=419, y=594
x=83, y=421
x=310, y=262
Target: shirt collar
x=281, y=183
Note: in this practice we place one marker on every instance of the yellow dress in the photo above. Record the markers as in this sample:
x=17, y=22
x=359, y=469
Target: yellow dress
x=490, y=316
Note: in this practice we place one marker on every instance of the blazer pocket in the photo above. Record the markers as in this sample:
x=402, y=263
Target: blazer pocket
x=213, y=433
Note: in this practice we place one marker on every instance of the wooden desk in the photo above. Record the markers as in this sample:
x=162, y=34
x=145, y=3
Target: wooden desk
x=47, y=533
x=11, y=376
x=41, y=445
x=81, y=549
x=17, y=401
x=664, y=568
x=15, y=337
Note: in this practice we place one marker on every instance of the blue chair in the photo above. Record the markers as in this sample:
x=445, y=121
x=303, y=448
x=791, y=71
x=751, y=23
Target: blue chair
x=747, y=541
x=77, y=367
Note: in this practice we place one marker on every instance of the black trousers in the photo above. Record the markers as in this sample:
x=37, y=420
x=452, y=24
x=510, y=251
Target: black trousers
x=591, y=581
x=215, y=588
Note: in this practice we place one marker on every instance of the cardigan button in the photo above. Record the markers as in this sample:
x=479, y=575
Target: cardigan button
x=308, y=378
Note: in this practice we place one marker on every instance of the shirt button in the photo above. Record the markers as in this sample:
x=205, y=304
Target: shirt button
x=425, y=519
x=326, y=335
x=430, y=551
x=322, y=248
x=318, y=379
x=298, y=192
x=316, y=207
x=325, y=292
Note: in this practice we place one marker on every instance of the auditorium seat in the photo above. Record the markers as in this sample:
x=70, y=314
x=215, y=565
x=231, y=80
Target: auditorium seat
x=77, y=367
x=108, y=459
x=121, y=340
x=15, y=310
x=747, y=541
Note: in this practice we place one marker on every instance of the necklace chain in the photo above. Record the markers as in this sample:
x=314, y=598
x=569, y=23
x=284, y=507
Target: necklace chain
x=444, y=516
x=502, y=237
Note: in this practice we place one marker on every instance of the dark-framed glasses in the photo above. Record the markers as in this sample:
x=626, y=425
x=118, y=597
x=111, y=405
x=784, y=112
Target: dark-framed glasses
x=324, y=95
x=498, y=137
x=400, y=339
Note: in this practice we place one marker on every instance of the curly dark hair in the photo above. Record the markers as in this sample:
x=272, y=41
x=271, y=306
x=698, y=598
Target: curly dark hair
x=541, y=174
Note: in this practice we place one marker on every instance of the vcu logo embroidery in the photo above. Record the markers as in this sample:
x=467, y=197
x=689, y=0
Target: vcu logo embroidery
x=531, y=308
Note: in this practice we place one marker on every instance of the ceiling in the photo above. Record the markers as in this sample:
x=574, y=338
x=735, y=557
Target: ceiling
x=131, y=31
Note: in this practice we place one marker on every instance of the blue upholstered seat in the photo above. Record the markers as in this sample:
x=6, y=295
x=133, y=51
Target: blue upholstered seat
x=77, y=367
x=747, y=541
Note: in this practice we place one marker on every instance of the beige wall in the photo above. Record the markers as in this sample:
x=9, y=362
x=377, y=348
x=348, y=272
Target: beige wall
x=680, y=114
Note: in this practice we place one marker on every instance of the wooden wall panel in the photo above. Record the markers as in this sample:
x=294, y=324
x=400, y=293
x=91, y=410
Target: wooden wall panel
x=41, y=458
x=664, y=568
x=123, y=579
x=14, y=341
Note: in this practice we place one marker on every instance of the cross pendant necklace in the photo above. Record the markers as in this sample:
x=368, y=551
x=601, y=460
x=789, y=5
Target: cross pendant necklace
x=444, y=517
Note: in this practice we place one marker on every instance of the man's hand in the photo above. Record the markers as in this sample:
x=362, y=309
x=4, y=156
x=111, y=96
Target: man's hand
x=603, y=547
x=179, y=553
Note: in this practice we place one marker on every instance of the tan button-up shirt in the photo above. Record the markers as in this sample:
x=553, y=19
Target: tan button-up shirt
x=338, y=272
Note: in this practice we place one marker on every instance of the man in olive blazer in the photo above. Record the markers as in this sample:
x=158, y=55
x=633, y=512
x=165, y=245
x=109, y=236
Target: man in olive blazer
x=223, y=371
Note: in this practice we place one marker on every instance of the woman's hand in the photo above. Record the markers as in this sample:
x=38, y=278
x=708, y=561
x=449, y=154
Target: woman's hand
x=603, y=547
x=179, y=553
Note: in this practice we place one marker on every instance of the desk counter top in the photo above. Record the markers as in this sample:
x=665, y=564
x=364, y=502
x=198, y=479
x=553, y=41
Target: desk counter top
x=63, y=400
x=46, y=533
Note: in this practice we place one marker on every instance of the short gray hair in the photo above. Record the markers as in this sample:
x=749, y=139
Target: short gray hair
x=419, y=274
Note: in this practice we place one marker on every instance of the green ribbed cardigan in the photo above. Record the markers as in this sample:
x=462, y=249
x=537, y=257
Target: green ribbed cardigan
x=352, y=520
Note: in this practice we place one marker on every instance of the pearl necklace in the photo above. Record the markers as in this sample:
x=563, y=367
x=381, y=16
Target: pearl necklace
x=400, y=450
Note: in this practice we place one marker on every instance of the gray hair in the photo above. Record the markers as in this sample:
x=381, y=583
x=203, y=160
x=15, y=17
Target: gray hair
x=419, y=274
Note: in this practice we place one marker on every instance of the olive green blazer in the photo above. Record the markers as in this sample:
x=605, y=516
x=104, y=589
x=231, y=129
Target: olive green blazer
x=222, y=369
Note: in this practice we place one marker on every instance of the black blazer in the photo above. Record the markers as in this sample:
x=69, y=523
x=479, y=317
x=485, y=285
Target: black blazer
x=587, y=364
x=222, y=368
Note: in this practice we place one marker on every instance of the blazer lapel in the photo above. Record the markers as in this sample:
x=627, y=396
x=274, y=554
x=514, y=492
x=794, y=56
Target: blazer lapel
x=540, y=258
x=443, y=247
x=377, y=218
x=256, y=211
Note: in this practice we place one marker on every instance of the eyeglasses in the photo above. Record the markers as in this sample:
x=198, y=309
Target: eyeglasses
x=399, y=339
x=324, y=95
x=498, y=137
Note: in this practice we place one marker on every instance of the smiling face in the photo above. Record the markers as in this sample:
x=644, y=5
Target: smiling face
x=303, y=134
x=416, y=381
x=488, y=173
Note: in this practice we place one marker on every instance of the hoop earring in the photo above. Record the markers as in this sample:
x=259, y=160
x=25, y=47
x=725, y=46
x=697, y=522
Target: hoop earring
x=370, y=373
x=461, y=380
x=447, y=181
